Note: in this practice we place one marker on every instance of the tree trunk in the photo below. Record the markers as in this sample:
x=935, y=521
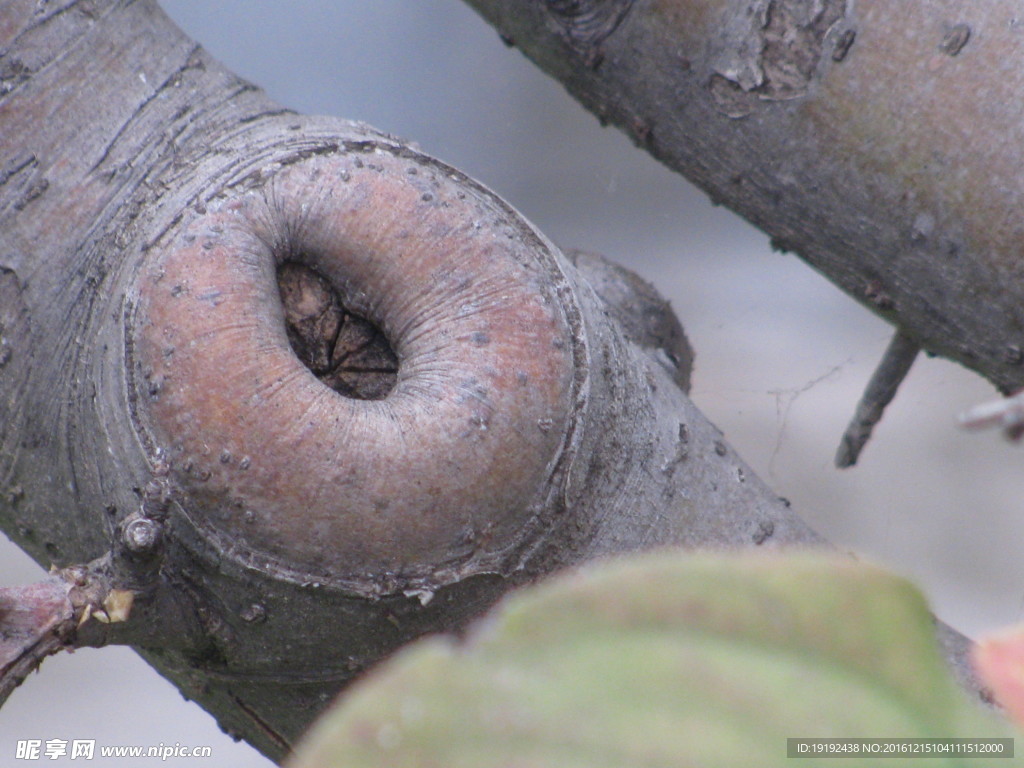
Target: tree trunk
x=282, y=393
x=880, y=141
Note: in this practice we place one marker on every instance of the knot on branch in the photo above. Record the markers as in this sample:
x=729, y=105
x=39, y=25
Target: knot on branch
x=363, y=369
x=585, y=24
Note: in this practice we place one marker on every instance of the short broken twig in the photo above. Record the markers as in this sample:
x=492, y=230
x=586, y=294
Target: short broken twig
x=893, y=368
x=35, y=622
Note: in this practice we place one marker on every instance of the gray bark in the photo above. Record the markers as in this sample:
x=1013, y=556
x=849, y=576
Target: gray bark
x=877, y=140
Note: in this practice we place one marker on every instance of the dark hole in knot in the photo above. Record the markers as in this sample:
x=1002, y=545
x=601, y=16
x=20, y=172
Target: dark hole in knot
x=346, y=352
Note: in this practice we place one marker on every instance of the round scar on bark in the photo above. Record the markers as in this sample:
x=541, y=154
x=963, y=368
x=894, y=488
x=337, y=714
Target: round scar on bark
x=359, y=366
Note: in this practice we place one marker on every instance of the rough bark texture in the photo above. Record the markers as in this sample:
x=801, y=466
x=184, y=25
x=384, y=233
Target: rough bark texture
x=879, y=140
x=168, y=237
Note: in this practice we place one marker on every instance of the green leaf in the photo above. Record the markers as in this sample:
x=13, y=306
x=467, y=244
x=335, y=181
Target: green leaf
x=664, y=660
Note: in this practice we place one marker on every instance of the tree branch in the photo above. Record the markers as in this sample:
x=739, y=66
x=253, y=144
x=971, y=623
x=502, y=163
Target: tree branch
x=874, y=141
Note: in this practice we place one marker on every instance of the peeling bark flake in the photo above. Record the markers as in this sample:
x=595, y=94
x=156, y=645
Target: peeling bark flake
x=769, y=50
x=843, y=45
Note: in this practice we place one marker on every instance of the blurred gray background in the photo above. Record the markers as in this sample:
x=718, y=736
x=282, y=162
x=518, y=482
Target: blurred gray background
x=782, y=356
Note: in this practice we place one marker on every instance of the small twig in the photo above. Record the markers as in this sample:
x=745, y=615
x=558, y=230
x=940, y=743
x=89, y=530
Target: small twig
x=41, y=619
x=891, y=371
x=82, y=604
x=35, y=622
x=1007, y=414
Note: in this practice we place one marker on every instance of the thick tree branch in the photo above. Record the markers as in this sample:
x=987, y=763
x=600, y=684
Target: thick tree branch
x=879, y=141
